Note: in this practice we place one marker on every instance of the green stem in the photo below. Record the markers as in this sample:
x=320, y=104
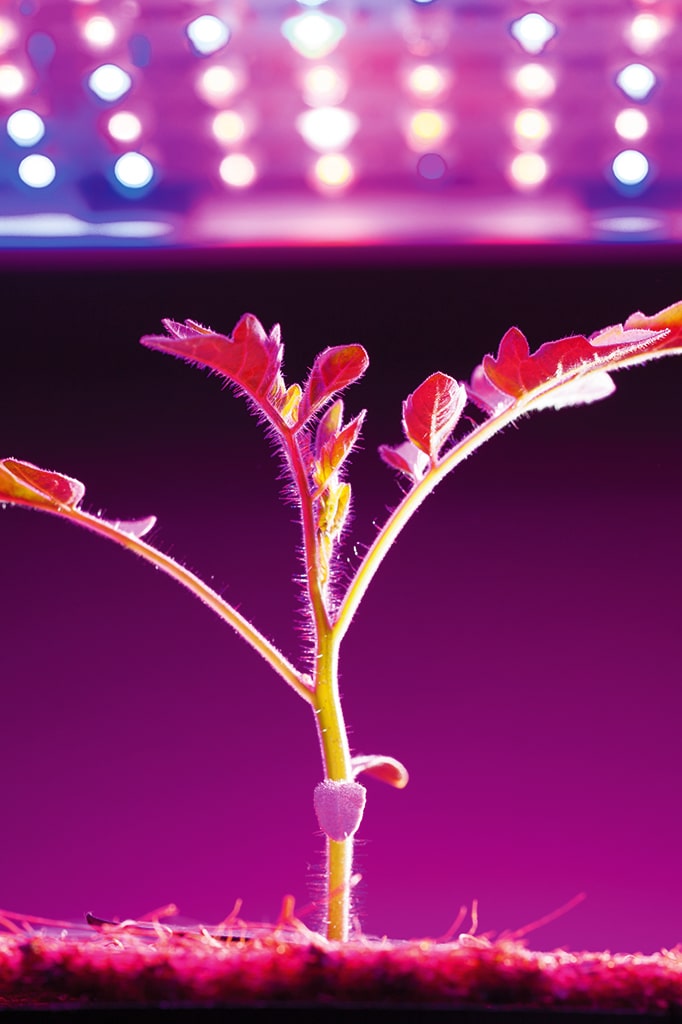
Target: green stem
x=333, y=737
x=297, y=680
x=406, y=509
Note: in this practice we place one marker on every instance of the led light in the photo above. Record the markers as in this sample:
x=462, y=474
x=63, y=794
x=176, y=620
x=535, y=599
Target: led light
x=207, y=34
x=534, y=82
x=8, y=34
x=528, y=170
x=632, y=124
x=109, y=82
x=313, y=34
x=532, y=32
x=133, y=170
x=644, y=32
x=323, y=86
x=25, y=127
x=630, y=167
x=636, y=81
x=238, y=170
x=229, y=127
x=37, y=170
x=327, y=128
x=99, y=31
x=427, y=81
x=531, y=125
x=424, y=128
x=217, y=84
x=12, y=81
x=124, y=126
x=333, y=171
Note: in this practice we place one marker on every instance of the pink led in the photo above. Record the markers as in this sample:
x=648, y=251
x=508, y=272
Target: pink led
x=323, y=86
x=531, y=127
x=645, y=31
x=425, y=128
x=528, y=170
x=631, y=124
x=124, y=126
x=12, y=81
x=427, y=81
x=218, y=83
x=333, y=172
x=238, y=170
x=534, y=82
x=228, y=127
x=99, y=31
x=8, y=34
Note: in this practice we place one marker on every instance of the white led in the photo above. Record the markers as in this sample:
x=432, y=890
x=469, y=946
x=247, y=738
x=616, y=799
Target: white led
x=630, y=167
x=207, y=34
x=133, y=170
x=534, y=82
x=25, y=127
x=124, y=126
x=37, y=171
x=636, y=81
x=99, y=31
x=533, y=32
x=109, y=82
x=631, y=124
x=327, y=128
x=313, y=34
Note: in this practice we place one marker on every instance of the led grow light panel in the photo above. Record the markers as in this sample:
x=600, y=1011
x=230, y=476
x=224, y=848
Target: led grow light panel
x=223, y=123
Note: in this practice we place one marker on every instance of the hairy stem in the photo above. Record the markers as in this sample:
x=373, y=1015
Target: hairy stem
x=403, y=512
x=297, y=680
x=336, y=758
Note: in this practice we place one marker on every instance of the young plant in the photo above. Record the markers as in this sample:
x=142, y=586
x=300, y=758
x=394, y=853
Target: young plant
x=308, y=423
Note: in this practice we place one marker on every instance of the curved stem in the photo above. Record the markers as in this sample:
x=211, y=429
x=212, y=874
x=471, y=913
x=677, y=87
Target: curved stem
x=403, y=512
x=297, y=680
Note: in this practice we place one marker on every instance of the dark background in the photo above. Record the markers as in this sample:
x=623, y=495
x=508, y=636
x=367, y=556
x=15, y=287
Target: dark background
x=520, y=650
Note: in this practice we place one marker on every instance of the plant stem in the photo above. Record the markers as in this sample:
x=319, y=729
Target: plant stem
x=297, y=680
x=403, y=512
x=333, y=736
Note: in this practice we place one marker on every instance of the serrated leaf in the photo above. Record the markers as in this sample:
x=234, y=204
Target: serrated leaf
x=249, y=357
x=22, y=483
x=406, y=458
x=333, y=370
x=431, y=413
x=386, y=769
x=559, y=370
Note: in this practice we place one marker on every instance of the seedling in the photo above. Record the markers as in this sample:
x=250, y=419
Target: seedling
x=308, y=424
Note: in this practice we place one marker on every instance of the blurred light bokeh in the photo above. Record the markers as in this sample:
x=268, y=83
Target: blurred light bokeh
x=223, y=123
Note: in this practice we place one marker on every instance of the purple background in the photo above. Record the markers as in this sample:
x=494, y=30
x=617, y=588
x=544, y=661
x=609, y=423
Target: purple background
x=520, y=650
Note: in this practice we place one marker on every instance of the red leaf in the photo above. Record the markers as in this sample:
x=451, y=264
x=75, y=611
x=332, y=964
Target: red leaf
x=333, y=369
x=516, y=372
x=406, y=458
x=250, y=357
x=668, y=319
x=430, y=413
x=26, y=484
